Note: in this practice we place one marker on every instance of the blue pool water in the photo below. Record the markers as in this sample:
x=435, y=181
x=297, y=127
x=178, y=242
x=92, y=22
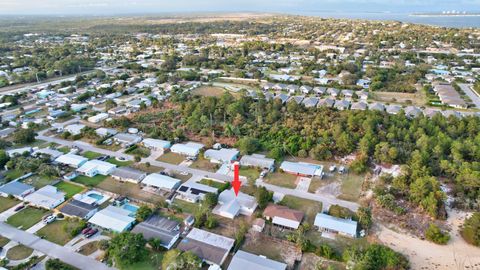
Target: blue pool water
x=129, y=207
x=97, y=197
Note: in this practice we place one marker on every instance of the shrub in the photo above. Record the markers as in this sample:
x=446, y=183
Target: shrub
x=471, y=230
x=434, y=234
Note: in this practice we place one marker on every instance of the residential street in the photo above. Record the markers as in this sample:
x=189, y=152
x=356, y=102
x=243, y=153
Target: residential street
x=51, y=249
x=325, y=199
x=471, y=94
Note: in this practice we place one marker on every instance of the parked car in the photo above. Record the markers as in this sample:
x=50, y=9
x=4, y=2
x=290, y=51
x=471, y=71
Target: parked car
x=85, y=230
x=91, y=233
x=263, y=174
x=332, y=168
x=18, y=208
x=49, y=219
x=191, y=158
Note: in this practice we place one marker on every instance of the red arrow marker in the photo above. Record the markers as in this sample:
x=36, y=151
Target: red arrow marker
x=236, y=184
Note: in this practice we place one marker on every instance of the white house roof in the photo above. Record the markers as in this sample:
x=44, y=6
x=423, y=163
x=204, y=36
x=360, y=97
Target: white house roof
x=46, y=196
x=113, y=218
x=257, y=160
x=156, y=143
x=337, y=224
x=231, y=205
x=190, y=148
x=161, y=181
x=211, y=239
x=71, y=159
x=95, y=164
x=244, y=260
x=48, y=151
x=301, y=168
x=223, y=155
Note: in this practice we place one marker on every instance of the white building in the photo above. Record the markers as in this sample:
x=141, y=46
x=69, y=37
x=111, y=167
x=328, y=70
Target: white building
x=98, y=118
x=161, y=182
x=329, y=224
x=230, y=206
x=71, y=160
x=47, y=197
x=155, y=144
x=222, y=156
x=74, y=129
x=190, y=149
x=94, y=167
x=113, y=218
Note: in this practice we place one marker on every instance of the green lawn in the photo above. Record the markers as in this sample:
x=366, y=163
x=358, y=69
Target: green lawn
x=308, y=207
x=69, y=188
x=187, y=207
x=19, y=252
x=281, y=179
x=64, y=149
x=251, y=173
x=91, y=155
x=59, y=231
x=153, y=262
x=7, y=203
x=351, y=186
x=3, y=241
x=90, y=181
x=172, y=158
x=38, y=181
x=212, y=183
x=13, y=174
x=204, y=164
x=27, y=217
x=139, y=151
x=120, y=163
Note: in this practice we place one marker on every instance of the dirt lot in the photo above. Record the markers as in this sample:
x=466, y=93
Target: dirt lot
x=311, y=261
x=129, y=190
x=417, y=98
x=457, y=254
x=209, y=91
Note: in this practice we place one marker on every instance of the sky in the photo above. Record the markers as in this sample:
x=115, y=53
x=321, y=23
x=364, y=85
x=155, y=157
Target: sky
x=118, y=7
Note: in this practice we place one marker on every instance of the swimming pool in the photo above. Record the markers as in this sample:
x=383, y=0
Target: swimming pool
x=96, y=196
x=130, y=207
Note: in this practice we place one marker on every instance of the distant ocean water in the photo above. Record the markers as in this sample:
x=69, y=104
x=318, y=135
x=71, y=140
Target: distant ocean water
x=444, y=21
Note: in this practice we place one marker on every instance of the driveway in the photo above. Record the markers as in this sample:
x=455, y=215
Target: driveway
x=8, y=213
x=51, y=249
x=467, y=89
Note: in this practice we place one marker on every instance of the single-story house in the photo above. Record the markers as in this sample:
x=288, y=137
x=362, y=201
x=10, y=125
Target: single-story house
x=16, y=189
x=128, y=174
x=310, y=102
x=54, y=154
x=259, y=161
x=283, y=216
x=222, y=155
x=75, y=208
x=360, y=106
x=19, y=151
x=393, y=109
x=330, y=224
x=74, y=129
x=193, y=192
x=210, y=247
x=71, y=160
x=127, y=138
x=158, y=227
x=244, y=261
x=376, y=106
x=160, y=181
x=6, y=132
x=155, y=144
x=230, y=206
x=98, y=118
x=342, y=104
x=412, y=111
x=113, y=218
x=105, y=132
x=302, y=168
x=47, y=197
x=190, y=149
x=326, y=102
x=95, y=166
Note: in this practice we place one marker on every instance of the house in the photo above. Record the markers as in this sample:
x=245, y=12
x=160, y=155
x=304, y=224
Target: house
x=47, y=197
x=6, y=132
x=393, y=109
x=333, y=92
x=310, y=102
x=52, y=153
x=74, y=129
x=128, y=174
x=155, y=144
x=302, y=168
x=329, y=224
x=283, y=216
x=449, y=96
x=17, y=189
x=362, y=95
x=243, y=260
x=113, y=218
x=95, y=166
x=71, y=160
x=190, y=149
x=297, y=99
x=412, y=111
x=105, y=132
x=230, y=206
x=211, y=248
x=19, y=151
x=342, y=105
x=98, y=118
x=160, y=181
x=75, y=208
x=258, y=161
x=319, y=90
x=127, y=139
x=326, y=102
x=118, y=110
x=193, y=192
x=258, y=225
x=306, y=89
x=282, y=97
x=158, y=227
x=360, y=106
x=376, y=106
x=222, y=155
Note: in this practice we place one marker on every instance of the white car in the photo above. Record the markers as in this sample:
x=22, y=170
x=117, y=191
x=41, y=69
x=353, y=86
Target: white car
x=332, y=168
x=49, y=219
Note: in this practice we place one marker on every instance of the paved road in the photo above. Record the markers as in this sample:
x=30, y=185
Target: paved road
x=50, y=249
x=466, y=88
x=325, y=199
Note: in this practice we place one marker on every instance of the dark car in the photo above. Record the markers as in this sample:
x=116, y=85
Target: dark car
x=18, y=208
x=87, y=231
x=91, y=233
x=84, y=231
